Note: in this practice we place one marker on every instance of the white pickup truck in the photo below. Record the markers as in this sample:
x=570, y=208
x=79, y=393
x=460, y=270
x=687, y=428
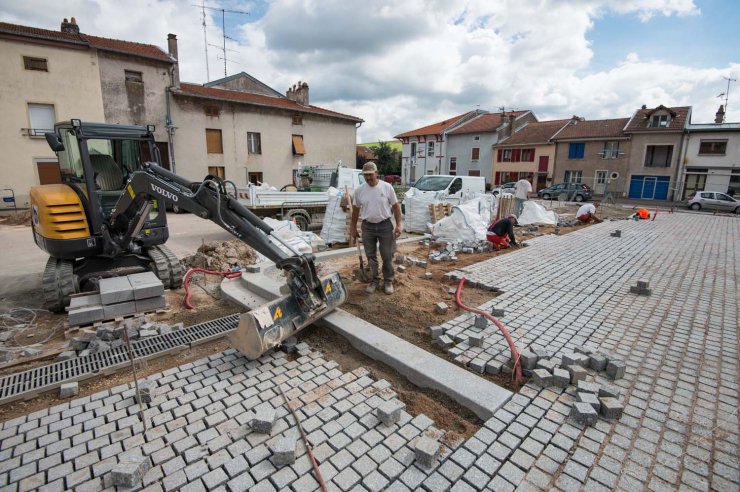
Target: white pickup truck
x=306, y=208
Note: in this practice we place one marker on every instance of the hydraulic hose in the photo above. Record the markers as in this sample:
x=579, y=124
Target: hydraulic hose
x=501, y=327
x=186, y=281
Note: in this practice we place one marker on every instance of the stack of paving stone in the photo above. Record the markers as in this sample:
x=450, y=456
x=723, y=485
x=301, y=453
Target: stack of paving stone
x=453, y=249
x=118, y=297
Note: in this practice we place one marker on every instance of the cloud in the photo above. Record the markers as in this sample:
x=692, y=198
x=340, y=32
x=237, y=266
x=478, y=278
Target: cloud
x=402, y=65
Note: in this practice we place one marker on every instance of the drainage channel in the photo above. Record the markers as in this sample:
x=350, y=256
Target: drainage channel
x=28, y=384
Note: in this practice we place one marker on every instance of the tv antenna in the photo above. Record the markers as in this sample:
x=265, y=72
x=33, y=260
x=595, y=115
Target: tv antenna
x=223, y=31
x=727, y=93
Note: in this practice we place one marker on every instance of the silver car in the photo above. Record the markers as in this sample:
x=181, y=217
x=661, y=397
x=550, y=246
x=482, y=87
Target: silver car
x=713, y=200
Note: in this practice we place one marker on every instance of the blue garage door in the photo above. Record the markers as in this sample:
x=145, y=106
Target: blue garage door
x=649, y=187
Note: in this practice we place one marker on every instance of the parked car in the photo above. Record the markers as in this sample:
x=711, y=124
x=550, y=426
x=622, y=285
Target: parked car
x=504, y=188
x=577, y=192
x=392, y=179
x=713, y=200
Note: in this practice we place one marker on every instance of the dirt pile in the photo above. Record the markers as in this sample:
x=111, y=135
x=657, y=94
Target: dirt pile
x=221, y=256
x=18, y=218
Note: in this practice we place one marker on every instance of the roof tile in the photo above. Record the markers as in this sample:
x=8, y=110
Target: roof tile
x=536, y=132
x=485, y=123
x=435, y=128
x=639, y=122
x=593, y=129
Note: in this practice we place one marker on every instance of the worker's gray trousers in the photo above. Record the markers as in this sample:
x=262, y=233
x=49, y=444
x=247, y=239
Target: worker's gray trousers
x=519, y=206
x=382, y=234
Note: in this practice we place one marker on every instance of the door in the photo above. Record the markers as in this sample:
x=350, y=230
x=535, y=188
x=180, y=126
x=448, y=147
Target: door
x=543, y=164
x=724, y=202
x=164, y=154
x=694, y=183
x=541, y=181
x=49, y=172
x=600, y=182
x=648, y=187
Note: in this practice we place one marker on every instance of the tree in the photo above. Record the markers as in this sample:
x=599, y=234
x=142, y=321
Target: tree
x=387, y=158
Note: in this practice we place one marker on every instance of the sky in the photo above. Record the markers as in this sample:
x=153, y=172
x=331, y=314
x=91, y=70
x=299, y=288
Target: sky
x=401, y=65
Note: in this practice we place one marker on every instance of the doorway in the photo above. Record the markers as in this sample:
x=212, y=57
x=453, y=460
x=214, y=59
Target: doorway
x=600, y=182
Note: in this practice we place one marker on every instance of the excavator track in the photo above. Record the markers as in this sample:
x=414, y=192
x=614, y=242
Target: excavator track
x=58, y=284
x=166, y=266
x=174, y=266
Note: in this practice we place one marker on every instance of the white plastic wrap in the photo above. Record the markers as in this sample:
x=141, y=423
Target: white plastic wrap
x=417, y=215
x=468, y=222
x=334, y=229
x=536, y=214
x=303, y=241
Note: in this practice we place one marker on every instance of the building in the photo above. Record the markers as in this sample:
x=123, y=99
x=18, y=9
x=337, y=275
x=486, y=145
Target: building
x=656, y=141
x=529, y=151
x=595, y=153
x=424, y=149
x=711, y=159
x=470, y=144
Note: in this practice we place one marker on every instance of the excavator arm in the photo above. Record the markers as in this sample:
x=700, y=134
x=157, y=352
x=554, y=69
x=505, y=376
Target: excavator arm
x=310, y=297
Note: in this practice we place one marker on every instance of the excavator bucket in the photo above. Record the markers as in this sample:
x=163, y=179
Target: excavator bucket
x=268, y=325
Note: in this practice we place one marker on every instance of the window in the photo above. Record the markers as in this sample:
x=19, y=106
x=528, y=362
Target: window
x=453, y=166
x=476, y=138
x=658, y=121
x=527, y=155
x=573, y=176
x=218, y=171
x=212, y=111
x=473, y=172
x=214, y=144
x=611, y=149
x=31, y=63
x=255, y=178
x=576, y=150
x=297, y=119
x=475, y=154
x=658, y=155
x=41, y=118
x=298, y=148
x=413, y=150
x=430, y=149
x=713, y=147
x=254, y=143
x=132, y=76
x=504, y=155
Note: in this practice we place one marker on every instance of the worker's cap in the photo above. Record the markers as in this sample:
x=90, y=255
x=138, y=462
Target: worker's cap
x=512, y=216
x=369, y=168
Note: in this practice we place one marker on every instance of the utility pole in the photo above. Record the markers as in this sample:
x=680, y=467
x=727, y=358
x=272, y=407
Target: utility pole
x=727, y=92
x=205, y=41
x=223, y=29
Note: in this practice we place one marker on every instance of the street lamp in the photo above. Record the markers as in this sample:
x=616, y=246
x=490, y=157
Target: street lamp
x=612, y=152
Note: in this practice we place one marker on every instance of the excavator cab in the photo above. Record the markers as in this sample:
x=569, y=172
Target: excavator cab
x=70, y=219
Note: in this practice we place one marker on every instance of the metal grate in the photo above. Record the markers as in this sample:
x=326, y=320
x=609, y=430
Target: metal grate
x=27, y=384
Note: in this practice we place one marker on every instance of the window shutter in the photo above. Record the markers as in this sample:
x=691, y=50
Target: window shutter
x=298, y=148
x=500, y=156
x=476, y=153
x=497, y=178
x=41, y=117
x=516, y=155
x=214, y=144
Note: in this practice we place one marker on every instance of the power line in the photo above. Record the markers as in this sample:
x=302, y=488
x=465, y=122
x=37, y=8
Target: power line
x=223, y=30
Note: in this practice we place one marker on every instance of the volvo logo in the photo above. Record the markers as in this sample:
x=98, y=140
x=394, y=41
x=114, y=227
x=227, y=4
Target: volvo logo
x=167, y=194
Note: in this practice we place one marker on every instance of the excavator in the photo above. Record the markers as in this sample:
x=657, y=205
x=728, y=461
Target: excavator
x=108, y=218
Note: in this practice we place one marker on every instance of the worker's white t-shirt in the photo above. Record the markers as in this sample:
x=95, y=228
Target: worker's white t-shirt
x=521, y=188
x=588, y=207
x=375, y=202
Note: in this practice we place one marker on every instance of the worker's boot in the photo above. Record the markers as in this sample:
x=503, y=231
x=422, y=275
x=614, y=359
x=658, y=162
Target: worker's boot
x=371, y=287
x=388, y=287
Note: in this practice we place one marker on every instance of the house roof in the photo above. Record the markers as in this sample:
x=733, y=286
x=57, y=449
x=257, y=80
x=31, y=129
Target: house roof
x=487, y=122
x=532, y=133
x=214, y=93
x=365, y=152
x=593, y=129
x=641, y=118
x=81, y=39
x=713, y=127
x=243, y=75
x=435, y=128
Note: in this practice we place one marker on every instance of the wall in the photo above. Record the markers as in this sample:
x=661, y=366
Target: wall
x=72, y=85
x=461, y=147
x=719, y=167
x=543, y=150
x=591, y=162
x=424, y=164
x=636, y=157
x=133, y=103
x=326, y=141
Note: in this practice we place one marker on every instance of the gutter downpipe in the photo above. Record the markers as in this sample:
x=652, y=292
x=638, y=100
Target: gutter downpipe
x=681, y=168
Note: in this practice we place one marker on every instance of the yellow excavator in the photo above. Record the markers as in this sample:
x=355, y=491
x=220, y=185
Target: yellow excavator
x=108, y=218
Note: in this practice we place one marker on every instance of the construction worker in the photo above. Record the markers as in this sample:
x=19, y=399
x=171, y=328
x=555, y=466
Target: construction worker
x=522, y=189
x=501, y=233
x=587, y=213
x=641, y=213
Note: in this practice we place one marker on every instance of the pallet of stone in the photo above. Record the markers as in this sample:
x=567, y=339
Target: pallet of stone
x=115, y=312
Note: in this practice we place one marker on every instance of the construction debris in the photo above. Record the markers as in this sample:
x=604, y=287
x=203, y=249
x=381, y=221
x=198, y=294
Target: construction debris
x=221, y=256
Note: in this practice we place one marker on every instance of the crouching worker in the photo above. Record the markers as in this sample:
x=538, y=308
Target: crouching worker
x=641, y=213
x=587, y=213
x=501, y=233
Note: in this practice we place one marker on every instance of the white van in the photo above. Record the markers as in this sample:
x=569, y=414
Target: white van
x=450, y=187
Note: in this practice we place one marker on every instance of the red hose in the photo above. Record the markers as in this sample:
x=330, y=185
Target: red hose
x=504, y=331
x=186, y=282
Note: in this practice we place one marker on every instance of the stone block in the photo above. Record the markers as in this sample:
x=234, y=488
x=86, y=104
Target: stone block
x=289, y=344
x=560, y=378
x=547, y=364
x=6, y=356
x=428, y=275
x=617, y=233
x=493, y=367
x=583, y=350
x=146, y=388
x=497, y=313
x=115, y=289
x=97, y=346
x=476, y=339
x=611, y=408
x=389, y=412
x=436, y=331
x=609, y=391
x=528, y=359
x=399, y=259
x=150, y=304
x=148, y=333
x=445, y=342
x=83, y=301
x=118, y=310
x=67, y=390
x=400, y=268
x=146, y=285
x=615, y=369
x=597, y=361
x=85, y=315
x=264, y=419
x=481, y=322
x=584, y=413
x=30, y=352
x=426, y=451
x=284, y=451
x=70, y=354
x=542, y=377
x=478, y=365
x=441, y=308
x=541, y=353
x=251, y=268
x=587, y=387
x=589, y=398
x=129, y=473
x=577, y=373
x=105, y=333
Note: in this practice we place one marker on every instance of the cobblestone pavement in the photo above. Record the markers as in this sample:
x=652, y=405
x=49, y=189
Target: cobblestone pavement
x=679, y=429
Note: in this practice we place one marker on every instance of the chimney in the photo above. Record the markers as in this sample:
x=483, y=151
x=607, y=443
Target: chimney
x=70, y=27
x=720, y=116
x=290, y=94
x=302, y=94
x=644, y=106
x=172, y=48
